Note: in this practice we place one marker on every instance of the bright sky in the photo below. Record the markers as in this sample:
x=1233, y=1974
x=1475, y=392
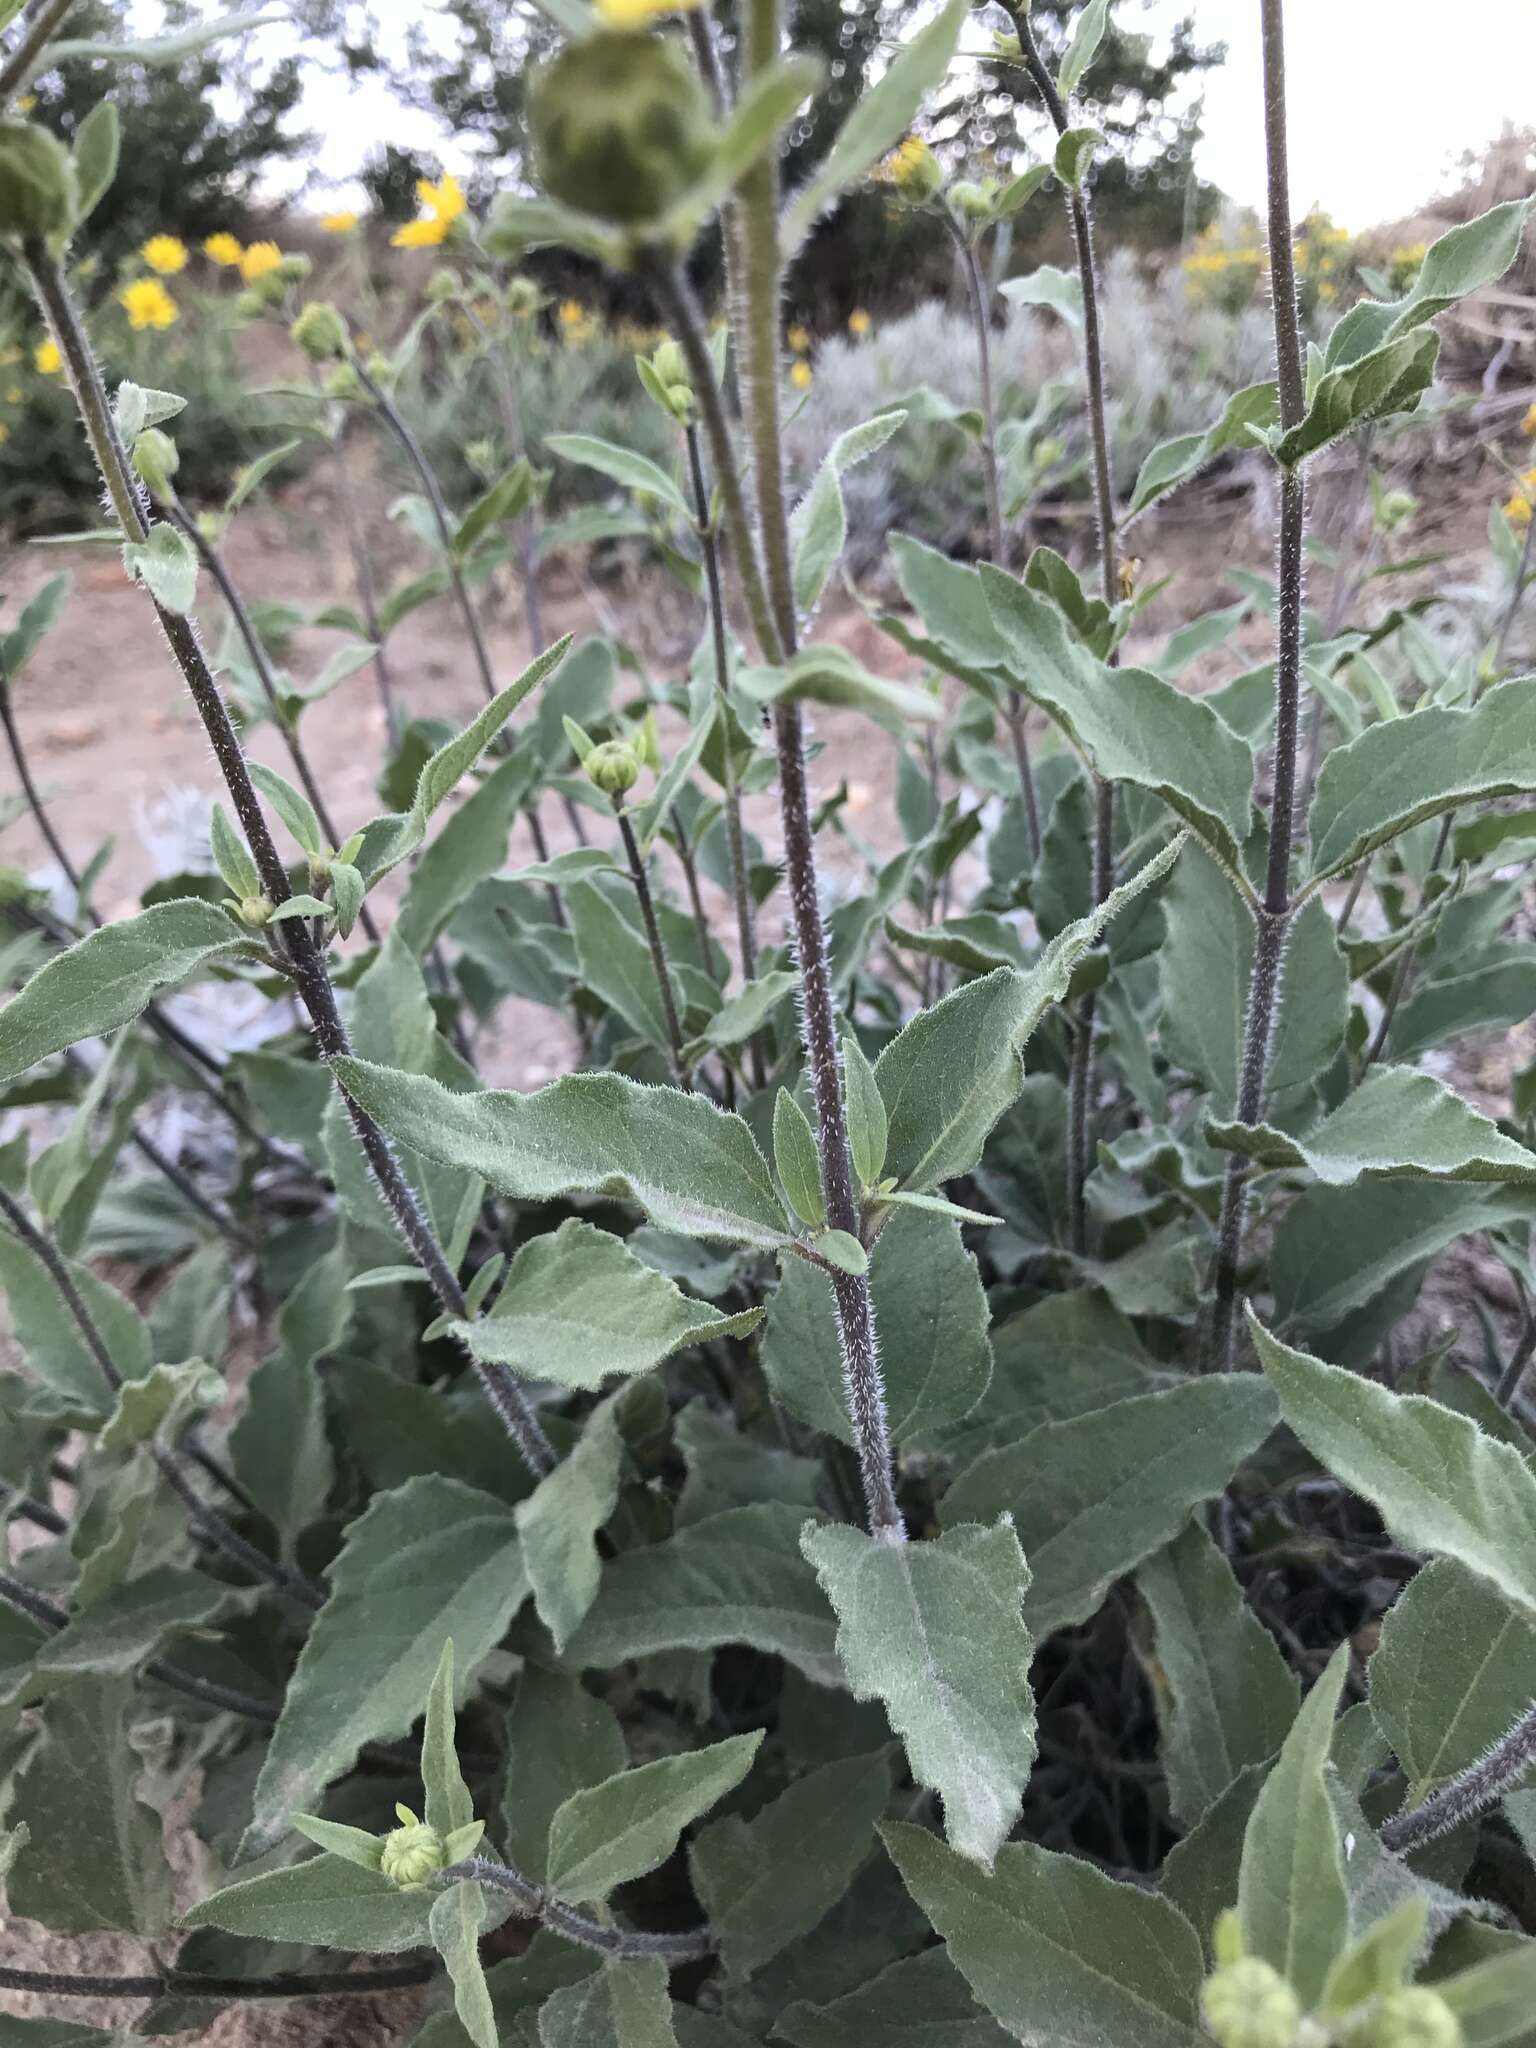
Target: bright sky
x=1386, y=95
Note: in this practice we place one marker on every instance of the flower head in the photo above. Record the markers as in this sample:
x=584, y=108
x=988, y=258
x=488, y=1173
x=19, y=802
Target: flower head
x=46, y=358
x=165, y=255
x=1528, y=424
x=1517, y=509
x=799, y=339
x=801, y=376
x=443, y=201
x=259, y=260
x=425, y=233
x=341, y=223
x=859, y=323
x=637, y=14
x=913, y=169
x=412, y=1852
x=223, y=249
x=147, y=304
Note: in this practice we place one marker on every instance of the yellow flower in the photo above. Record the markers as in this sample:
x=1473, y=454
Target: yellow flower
x=26, y=103
x=632, y=14
x=913, y=168
x=419, y=234
x=1528, y=424
x=572, y=312
x=799, y=339
x=1517, y=510
x=801, y=376
x=859, y=323
x=1528, y=481
x=147, y=304
x=338, y=223
x=46, y=358
x=165, y=255
x=258, y=260
x=223, y=249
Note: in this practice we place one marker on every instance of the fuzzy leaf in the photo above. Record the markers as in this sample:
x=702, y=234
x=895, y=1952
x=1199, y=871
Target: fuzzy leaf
x=166, y=564
x=128, y=1625
x=328, y=1901
x=868, y=1128
x=1174, y=462
x=1093, y=1497
x=454, y=1923
x=559, y=1740
x=560, y=1519
x=607, y=1834
x=623, y=466
x=1056, y=1950
x=933, y=1630
x=1390, y=379
x=818, y=529
x=691, y=1167
x=577, y=1307
x=796, y=1160
x=622, y=2005
x=920, y=2002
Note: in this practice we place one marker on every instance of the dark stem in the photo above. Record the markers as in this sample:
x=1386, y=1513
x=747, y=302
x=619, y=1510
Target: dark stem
x=1356, y=884
x=213, y=562
x=1508, y=1389
x=1512, y=612
x=524, y=534
x=535, y=1903
x=416, y=456
x=1080, y=1080
x=39, y=31
x=305, y=962
x=654, y=941
x=320, y=1984
x=1405, y=961
x=1477, y=1788
x=35, y=802
x=690, y=868
x=362, y=577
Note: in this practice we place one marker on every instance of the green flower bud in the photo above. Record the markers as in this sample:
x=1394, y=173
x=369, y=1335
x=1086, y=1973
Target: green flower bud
x=621, y=126
x=412, y=1852
x=1409, y=2019
x=156, y=458
x=1008, y=48
x=443, y=285
x=671, y=365
x=1395, y=507
x=343, y=382
x=523, y=298
x=251, y=303
x=211, y=526
x=614, y=766
x=255, y=911
x=38, y=189
x=292, y=269
x=382, y=371
x=971, y=201
x=1248, y=2004
x=320, y=332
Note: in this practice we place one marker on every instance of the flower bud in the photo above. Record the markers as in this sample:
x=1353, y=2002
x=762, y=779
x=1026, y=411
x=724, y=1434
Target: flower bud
x=1395, y=507
x=382, y=371
x=914, y=170
x=523, y=298
x=971, y=201
x=211, y=526
x=621, y=126
x=442, y=285
x=293, y=269
x=1248, y=2004
x=411, y=1853
x=38, y=189
x=1417, y=2018
x=670, y=364
x=156, y=458
x=251, y=303
x=255, y=911
x=1006, y=47
x=343, y=382
x=320, y=332
x=614, y=766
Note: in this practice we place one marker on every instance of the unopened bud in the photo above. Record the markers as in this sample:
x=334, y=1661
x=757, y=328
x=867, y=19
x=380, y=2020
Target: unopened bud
x=1248, y=2004
x=255, y=911
x=523, y=297
x=156, y=458
x=621, y=125
x=320, y=332
x=971, y=201
x=1417, y=2018
x=614, y=766
x=38, y=188
x=343, y=382
x=443, y=285
x=412, y=1852
x=293, y=269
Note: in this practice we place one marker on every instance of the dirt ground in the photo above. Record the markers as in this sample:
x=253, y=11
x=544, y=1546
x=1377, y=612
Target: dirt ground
x=116, y=747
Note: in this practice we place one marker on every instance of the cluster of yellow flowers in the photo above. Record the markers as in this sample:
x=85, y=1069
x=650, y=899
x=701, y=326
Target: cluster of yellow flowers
x=576, y=323
x=444, y=201
x=1520, y=505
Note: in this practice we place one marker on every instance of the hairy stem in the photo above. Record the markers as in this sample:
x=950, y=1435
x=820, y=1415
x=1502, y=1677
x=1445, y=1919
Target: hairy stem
x=1273, y=915
x=524, y=532
x=363, y=582
x=535, y=1903
x=171, y=1983
x=305, y=960
x=658, y=950
x=42, y=25
x=1478, y=1787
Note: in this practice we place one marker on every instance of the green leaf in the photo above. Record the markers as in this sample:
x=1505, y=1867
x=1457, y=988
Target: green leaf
x=94, y=1857
x=1205, y=965
x=623, y=466
x=1398, y=1125
x=1390, y=379
x=1455, y=1669
x=106, y=979
x=455, y=1922
x=281, y=1450
x=253, y=475
x=471, y=845
x=615, y=962
x=877, y=123
x=949, y=1075
x=560, y=1519
x=1083, y=47
x=1493, y=1999
x=765, y=105
x=931, y=1318
x=327, y=1901
x=1224, y=1694
x=607, y=1834
x=767, y=1881
x=868, y=1127
x=169, y=49
x=121, y=1631
x=1403, y=770
x=1291, y=1895
x=97, y=141
x=449, y=1805
x=578, y=1307
x=950, y=600
x=690, y=1166
x=622, y=2005
x=1380, y=1960
x=1093, y=1497
x=796, y=1160
x=354, y=1845
x=1074, y=155
x=1461, y=261
x=1174, y=462
x=559, y=1740
x=736, y=1577
x=843, y=1250
x=49, y=1337
x=166, y=564
x=291, y=805
x=818, y=529
x=236, y=869
x=828, y=674
x=506, y=499
x=39, y=612
x=749, y=1009
x=1132, y=725
x=392, y=839
x=1501, y=993
x=1437, y=1482
x=1056, y=1950
x=920, y=2002
x=1059, y=291
x=933, y=1631
x=440, y=1561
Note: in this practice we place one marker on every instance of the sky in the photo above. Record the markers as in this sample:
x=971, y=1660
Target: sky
x=1386, y=95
